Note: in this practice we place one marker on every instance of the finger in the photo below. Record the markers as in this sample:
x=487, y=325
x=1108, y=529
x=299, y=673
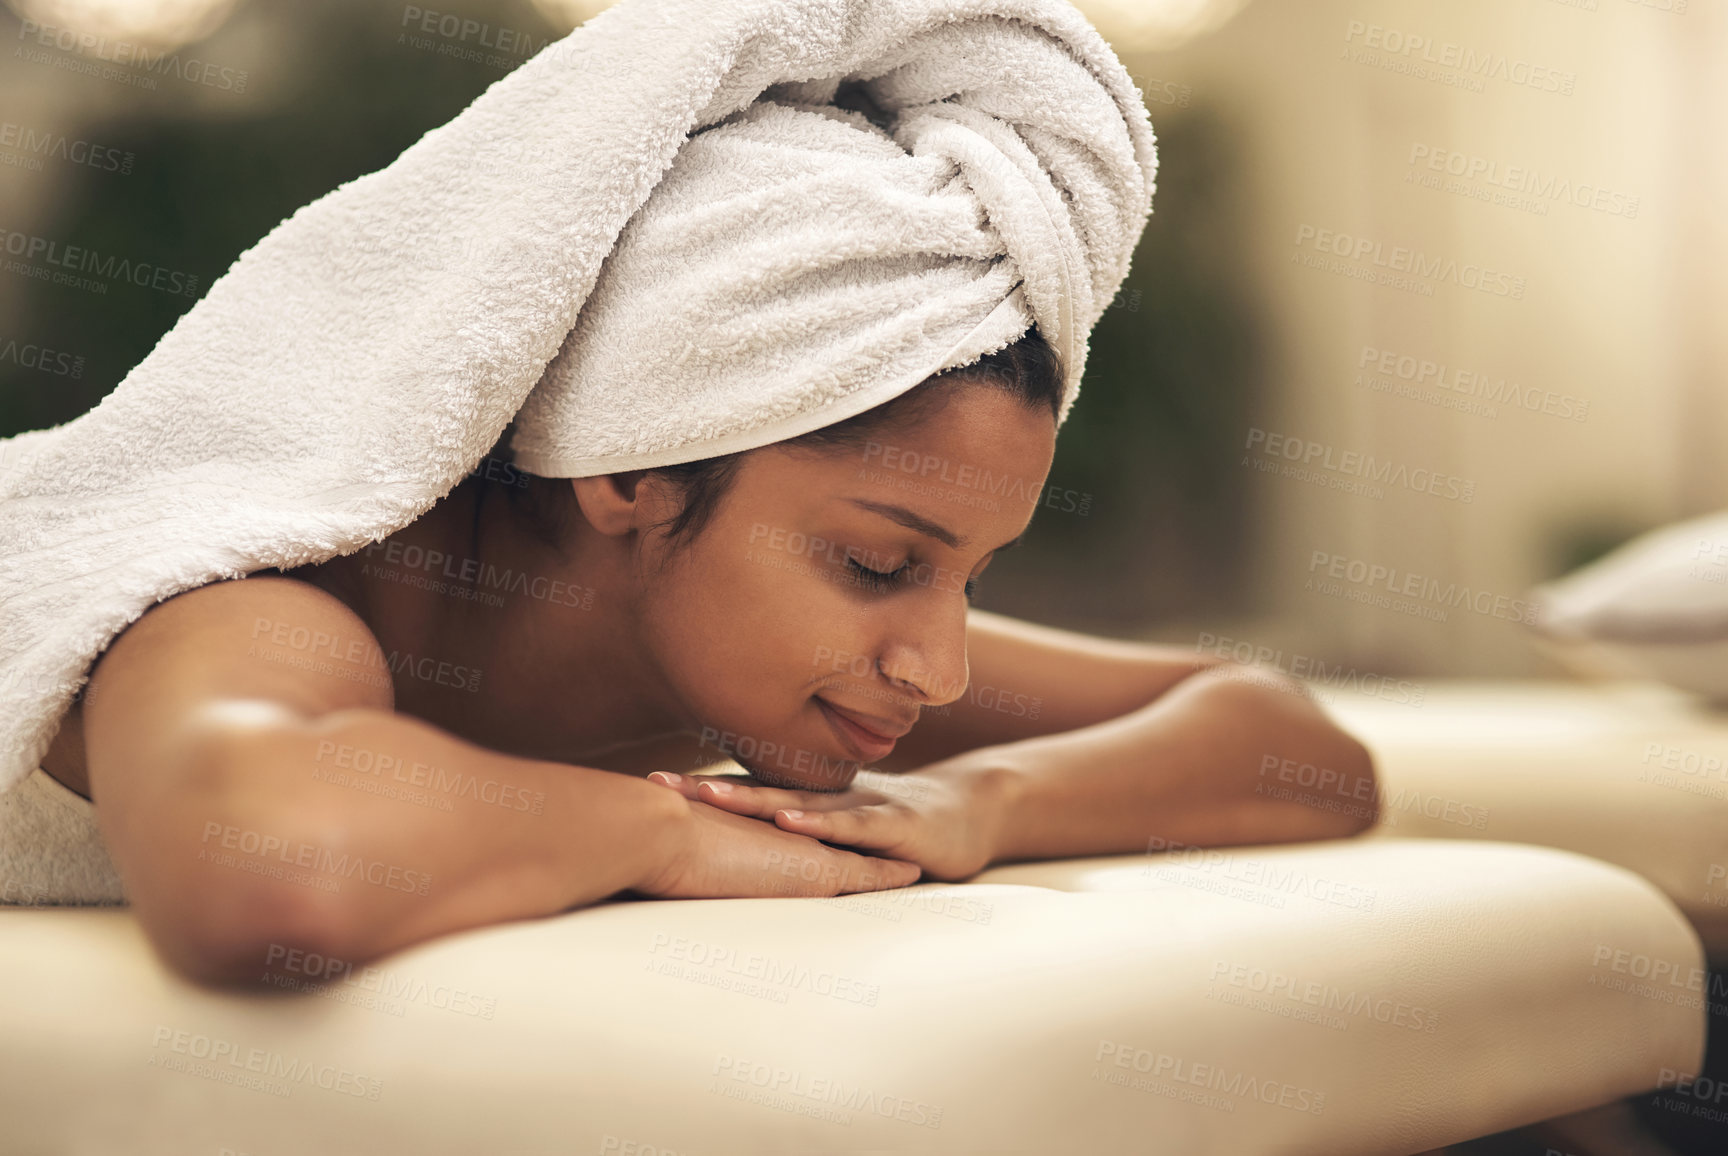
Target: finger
x=690, y=785
x=869, y=873
x=684, y=784
x=812, y=869
x=876, y=828
x=748, y=799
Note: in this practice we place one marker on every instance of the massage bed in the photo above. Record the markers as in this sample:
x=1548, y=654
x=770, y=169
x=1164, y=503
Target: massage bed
x=1380, y=995
x=1631, y=773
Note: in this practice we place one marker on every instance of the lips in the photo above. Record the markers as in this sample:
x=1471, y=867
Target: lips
x=869, y=738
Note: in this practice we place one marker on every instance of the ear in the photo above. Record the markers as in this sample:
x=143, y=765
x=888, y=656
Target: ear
x=610, y=501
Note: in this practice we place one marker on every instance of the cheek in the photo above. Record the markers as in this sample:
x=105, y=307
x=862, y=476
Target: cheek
x=739, y=641
x=737, y=635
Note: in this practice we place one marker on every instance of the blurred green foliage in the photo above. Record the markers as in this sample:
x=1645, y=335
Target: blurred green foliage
x=205, y=189
x=1574, y=542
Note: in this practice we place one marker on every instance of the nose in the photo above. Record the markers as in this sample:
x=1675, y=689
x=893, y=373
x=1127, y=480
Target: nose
x=926, y=659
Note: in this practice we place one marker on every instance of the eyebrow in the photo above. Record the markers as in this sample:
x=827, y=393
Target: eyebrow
x=915, y=521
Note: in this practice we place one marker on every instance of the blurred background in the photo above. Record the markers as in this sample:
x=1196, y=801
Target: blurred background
x=1471, y=241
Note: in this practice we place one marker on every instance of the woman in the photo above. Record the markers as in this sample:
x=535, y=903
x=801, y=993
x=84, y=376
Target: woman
x=489, y=713
x=708, y=625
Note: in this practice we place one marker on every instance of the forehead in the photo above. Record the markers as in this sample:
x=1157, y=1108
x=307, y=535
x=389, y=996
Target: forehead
x=971, y=420
x=975, y=462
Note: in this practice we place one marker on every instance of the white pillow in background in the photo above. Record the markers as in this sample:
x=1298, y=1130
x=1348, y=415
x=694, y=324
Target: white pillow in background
x=1656, y=607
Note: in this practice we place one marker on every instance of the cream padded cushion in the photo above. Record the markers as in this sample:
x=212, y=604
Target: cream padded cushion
x=1340, y=998
x=1629, y=773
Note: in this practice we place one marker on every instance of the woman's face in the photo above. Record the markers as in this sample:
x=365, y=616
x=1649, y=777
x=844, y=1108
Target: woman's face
x=792, y=657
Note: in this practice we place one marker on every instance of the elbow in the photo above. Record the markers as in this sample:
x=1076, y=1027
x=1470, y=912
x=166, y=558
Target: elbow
x=1310, y=777
x=1342, y=790
x=223, y=918
x=1347, y=789
x=1334, y=794
x=233, y=934
x=1356, y=773
x=210, y=884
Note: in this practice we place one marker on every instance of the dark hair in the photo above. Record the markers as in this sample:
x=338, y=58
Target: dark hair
x=1028, y=369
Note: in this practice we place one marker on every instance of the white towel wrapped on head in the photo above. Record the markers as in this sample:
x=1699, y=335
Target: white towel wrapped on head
x=827, y=201
x=798, y=264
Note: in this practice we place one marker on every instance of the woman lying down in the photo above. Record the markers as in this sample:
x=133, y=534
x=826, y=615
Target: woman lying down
x=494, y=699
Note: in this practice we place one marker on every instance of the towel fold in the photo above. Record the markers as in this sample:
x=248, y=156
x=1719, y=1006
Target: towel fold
x=686, y=229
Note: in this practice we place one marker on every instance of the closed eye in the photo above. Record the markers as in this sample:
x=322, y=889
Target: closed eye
x=885, y=580
x=877, y=579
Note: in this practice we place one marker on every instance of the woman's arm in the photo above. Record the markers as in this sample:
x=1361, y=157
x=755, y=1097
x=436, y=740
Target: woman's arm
x=1027, y=680
x=1228, y=756
x=257, y=792
x=1066, y=745
x=1095, y=746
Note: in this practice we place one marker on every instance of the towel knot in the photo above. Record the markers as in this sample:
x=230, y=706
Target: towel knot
x=928, y=208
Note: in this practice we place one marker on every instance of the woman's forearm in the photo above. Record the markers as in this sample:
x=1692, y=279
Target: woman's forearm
x=364, y=831
x=1216, y=760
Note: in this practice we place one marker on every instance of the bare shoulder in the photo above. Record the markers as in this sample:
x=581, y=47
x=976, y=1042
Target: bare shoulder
x=277, y=643
x=277, y=638
x=253, y=638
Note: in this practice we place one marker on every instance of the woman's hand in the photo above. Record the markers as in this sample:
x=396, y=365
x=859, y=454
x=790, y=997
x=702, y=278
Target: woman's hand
x=945, y=817
x=728, y=856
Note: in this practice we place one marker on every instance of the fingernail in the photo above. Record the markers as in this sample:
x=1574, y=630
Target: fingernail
x=668, y=778
x=722, y=788
x=793, y=814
